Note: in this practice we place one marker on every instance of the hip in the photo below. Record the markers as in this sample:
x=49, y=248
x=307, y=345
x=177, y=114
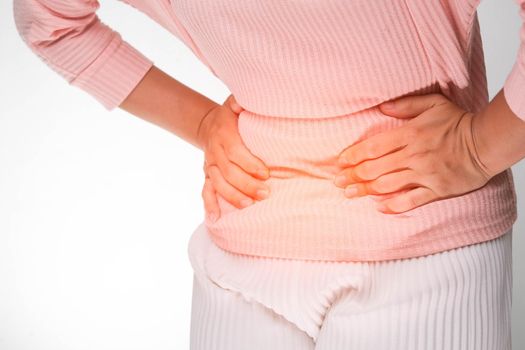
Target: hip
x=307, y=217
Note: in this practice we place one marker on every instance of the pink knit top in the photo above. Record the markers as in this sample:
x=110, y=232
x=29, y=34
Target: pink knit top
x=310, y=75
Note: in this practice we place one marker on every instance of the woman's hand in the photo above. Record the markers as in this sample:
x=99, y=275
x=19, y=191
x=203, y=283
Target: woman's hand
x=433, y=156
x=229, y=166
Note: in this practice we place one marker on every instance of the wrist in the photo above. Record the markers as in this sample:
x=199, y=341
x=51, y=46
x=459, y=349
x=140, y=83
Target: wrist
x=483, y=149
x=499, y=136
x=203, y=127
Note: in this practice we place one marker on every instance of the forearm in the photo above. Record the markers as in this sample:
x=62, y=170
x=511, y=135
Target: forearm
x=499, y=135
x=165, y=102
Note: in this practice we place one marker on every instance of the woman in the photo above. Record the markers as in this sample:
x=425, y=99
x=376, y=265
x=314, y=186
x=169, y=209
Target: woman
x=415, y=253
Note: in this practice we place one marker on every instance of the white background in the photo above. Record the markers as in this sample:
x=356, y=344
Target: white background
x=97, y=207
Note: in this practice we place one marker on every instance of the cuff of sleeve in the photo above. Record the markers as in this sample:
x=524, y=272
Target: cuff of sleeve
x=514, y=90
x=114, y=74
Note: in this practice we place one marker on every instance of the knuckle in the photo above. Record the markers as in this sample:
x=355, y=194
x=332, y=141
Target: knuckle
x=367, y=187
x=349, y=175
x=410, y=152
x=232, y=150
x=227, y=172
x=442, y=186
x=247, y=187
x=211, y=171
x=432, y=166
x=361, y=171
x=216, y=178
x=349, y=156
x=358, y=175
x=449, y=164
x=412, y=132
x=415, y=154
x=420, y=161
x=221, y=133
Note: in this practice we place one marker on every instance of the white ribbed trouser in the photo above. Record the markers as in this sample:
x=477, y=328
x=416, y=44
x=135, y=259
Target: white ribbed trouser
x=454, y=300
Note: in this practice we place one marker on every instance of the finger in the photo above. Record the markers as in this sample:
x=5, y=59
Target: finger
x=211, y=205
x=374, y=147
x=232, y=103
x=227, y=191
x=210, y=157
x=385, y=184
x=406, y=201
x=372, y=169
x=395, y=181
x=412, y=105
x=241, y=180
x=237, y=153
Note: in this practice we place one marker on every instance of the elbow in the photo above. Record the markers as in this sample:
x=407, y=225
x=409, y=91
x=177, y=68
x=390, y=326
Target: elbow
x=42, y=23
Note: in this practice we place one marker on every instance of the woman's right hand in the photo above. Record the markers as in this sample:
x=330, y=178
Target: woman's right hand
x=230, y=168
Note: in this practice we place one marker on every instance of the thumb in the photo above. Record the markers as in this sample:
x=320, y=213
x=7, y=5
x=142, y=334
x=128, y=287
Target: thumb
x=411, y=106
x=232, y=103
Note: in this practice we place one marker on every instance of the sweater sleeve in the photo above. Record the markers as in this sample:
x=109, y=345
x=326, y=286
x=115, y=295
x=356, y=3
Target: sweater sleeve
x=70, y=38
x=514, y=86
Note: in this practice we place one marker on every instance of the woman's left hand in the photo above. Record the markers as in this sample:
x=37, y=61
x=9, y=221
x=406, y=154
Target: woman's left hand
x=433, y=156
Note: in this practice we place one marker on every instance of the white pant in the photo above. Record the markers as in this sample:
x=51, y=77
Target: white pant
x=455, y=300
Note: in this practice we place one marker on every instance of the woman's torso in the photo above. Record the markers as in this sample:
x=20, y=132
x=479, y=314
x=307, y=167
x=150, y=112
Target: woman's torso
x=310, y=75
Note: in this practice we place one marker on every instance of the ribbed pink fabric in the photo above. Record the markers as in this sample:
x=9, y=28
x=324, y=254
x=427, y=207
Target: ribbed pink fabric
x=310, y=76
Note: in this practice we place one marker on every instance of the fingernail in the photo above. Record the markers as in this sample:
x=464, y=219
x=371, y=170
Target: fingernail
x=246, y=202
x=340, y=180
x=263, y=194
x=351, y=191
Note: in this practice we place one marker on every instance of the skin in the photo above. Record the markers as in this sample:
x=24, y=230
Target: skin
x=162, y=100
x=443, y=151
x=230, y=168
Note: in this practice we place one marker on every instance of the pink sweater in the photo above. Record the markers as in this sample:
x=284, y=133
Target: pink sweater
x=310, y=75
